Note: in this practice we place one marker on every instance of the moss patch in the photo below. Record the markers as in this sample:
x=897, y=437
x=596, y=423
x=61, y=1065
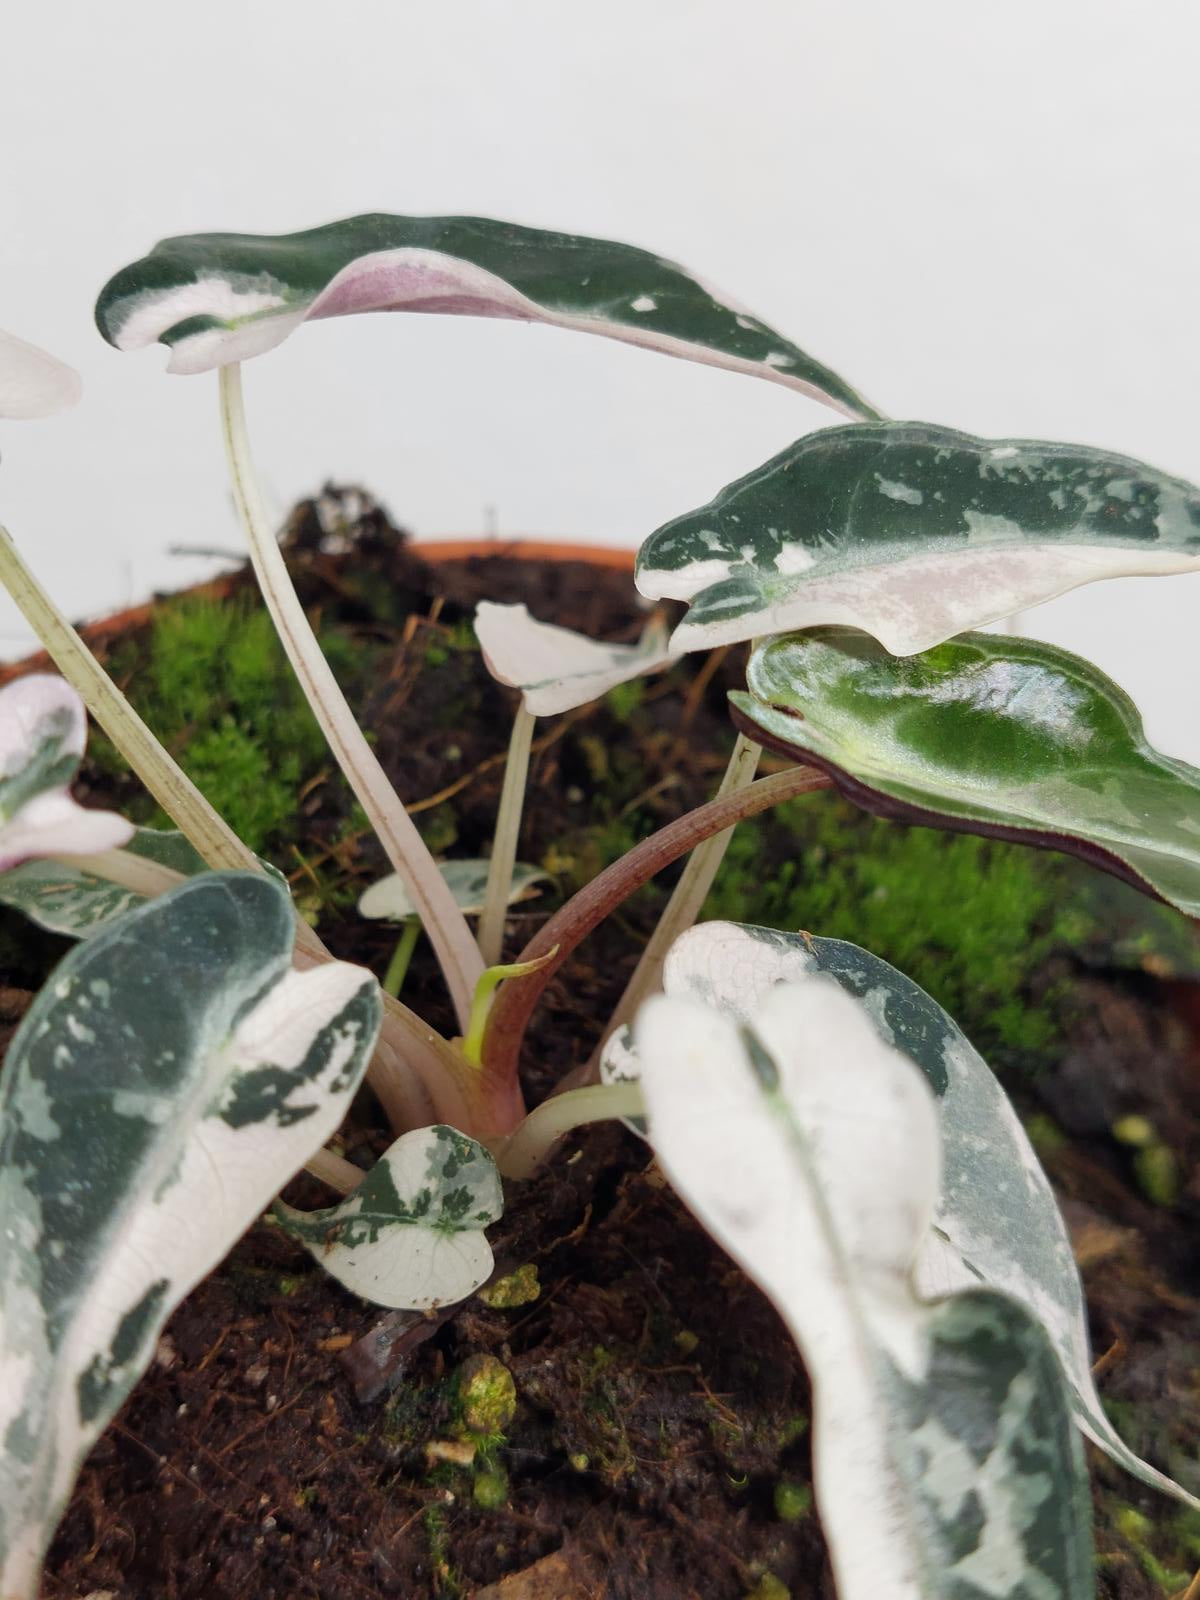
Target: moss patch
x=971, y=920
x=212, y=681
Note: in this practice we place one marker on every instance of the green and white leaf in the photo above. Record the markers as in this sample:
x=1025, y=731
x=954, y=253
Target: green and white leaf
x=913, y=533
x=388, y=899
x=985, y=734
x=411, y=1236
x=32, y=382
x=69, y=900
x=997, y=1224
x=171, y=1077
x=555, y=668
x=43, y=733
x=946, y=1463
x=213, y=298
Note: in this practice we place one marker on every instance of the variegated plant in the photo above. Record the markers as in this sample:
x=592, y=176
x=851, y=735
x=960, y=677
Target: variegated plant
x=913, y=533
x=173, y=1074
x=778, y=1071
x=945, y=1461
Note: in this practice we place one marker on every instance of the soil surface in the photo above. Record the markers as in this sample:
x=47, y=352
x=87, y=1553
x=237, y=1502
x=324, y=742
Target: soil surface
x=291, y=1441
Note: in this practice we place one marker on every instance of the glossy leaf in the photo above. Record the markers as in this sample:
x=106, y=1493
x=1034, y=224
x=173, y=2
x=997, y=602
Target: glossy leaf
x=555, y=668
x=171, y=1077
x=33, y=383
x=913, y=533
x=69, y=900
x=388, y=899
x=986, y=734
x=411, y=1235
x=996, y=1224
x=214, y=298
x=945, y=1460
x=43, y=732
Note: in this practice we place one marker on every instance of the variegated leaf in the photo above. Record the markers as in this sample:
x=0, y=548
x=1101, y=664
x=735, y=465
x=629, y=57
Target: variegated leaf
x=33, y=383
x=170, y=1078
x=214, y=298
x=997, y=1224
x=914, y=533
x=71, y=901
x=985, y=734
x=388, y=899
x=945, y=1460
x=411, y=1236
x=43, y=732
x=555, y=668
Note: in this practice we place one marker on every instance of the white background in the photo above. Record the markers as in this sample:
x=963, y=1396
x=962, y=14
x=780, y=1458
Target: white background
x=980, y=214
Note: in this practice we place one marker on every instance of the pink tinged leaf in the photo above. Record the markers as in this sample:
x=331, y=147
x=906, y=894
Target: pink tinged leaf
x=43, y=731
x=555, y=668
x=33, y=383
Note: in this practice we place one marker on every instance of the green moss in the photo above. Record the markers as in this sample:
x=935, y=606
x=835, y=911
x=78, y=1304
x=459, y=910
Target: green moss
x=793, y=1501
x=446, y=1582
x=626, y=698
x=1157, y=1173
x=519, y=1288
x=971, y=920
x=490, y=1489
x=213, y=683
x=769, y=1587
x=487, y=1395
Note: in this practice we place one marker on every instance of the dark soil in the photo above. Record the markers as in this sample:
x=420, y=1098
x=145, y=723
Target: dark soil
x=659, y=1449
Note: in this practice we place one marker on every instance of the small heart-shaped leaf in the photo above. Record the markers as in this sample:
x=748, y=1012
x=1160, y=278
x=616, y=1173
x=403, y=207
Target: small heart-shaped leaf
x=388, y=900
x=411, y=1236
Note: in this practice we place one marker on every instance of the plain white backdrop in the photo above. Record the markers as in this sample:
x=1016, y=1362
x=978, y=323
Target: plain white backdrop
x=981, y=215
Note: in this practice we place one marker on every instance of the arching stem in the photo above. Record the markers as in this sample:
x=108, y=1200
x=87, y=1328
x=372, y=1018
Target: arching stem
x=516, y=1002
x=520, y=1155
x=403, y=845
x=687, y=898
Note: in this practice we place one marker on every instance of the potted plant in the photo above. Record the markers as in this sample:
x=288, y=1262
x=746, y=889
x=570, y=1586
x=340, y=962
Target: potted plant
x=823, y=1118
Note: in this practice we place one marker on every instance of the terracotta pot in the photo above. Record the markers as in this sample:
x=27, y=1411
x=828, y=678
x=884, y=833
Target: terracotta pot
x=435, y=551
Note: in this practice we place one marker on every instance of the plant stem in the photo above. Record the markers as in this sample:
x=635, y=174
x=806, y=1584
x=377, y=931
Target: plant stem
x=393, y=978
x=490, y=933
x=688, y=896
x=405, y=849
x=408, y=1055
x=586, y=910
x=520, y=1155
x=335, y=1170
x=162, y=776
x=472, y=1045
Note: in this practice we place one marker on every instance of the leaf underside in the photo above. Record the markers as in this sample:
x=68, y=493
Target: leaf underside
x=913, y=533
x=985, y=734
x=214, y=298
x=555, y=668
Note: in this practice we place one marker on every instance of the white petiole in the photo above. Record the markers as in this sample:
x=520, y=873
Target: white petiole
x=446, y=926
x=504, y=846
